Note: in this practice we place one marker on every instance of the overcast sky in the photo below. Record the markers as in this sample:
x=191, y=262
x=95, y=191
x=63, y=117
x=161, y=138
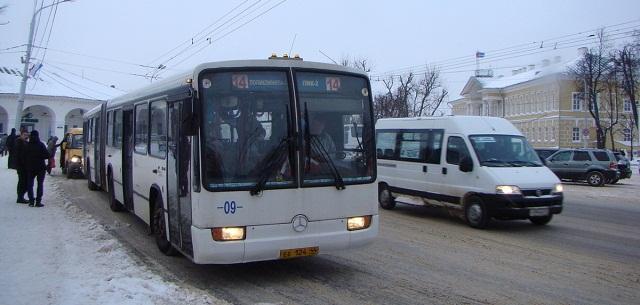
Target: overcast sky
x=390, y=34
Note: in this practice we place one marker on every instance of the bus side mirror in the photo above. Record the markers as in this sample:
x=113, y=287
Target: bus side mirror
x=466, y=164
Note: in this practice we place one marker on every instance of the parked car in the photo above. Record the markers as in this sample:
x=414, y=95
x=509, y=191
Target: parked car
x=476, y=167
x=624, y=166
x=544, y=153
x=595, y=166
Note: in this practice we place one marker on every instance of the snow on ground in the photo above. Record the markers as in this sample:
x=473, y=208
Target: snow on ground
x=58, y=254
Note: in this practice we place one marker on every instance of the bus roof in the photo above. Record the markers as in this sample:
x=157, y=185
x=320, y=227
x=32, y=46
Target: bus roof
x=180, y=80
x=454, y=124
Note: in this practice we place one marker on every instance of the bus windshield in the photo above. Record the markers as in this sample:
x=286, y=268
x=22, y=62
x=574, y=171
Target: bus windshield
x=249, y=140
x=246, y=126
x=338, y=139
x=504, y=151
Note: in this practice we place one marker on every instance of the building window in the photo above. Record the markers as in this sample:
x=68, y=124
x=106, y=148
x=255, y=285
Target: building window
x=627, y=106
x=626, y=133
x=577, y=98
x=575, y=134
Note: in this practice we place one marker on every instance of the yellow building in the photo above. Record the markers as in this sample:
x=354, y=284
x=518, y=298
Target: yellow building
x=543, y=101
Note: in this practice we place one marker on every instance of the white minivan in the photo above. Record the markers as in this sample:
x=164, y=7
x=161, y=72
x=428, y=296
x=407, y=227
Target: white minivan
x=477, y=167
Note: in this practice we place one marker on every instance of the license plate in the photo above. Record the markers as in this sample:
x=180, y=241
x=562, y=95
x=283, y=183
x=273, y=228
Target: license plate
x=539, y=212
x=299, y=252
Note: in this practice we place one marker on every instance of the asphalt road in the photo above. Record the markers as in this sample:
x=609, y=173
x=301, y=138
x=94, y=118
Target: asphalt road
x=590, y=254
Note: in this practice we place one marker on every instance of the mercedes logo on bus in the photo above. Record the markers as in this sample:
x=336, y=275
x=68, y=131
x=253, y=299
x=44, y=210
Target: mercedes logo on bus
x=299, y=223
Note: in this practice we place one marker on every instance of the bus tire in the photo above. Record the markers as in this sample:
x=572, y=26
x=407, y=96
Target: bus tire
x=475, y=213
x=385, y=198
x=159, y=230
x=114, y=204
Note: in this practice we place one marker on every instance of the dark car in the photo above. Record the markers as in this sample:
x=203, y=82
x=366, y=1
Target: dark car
x=595, y=166
x=624, y=166
x=544, y=153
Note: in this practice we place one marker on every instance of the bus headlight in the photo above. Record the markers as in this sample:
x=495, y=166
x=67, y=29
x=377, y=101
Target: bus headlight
x=558, y=188
x=228, y=233
x=358, y=223
x=75, y=159
x=508, y=190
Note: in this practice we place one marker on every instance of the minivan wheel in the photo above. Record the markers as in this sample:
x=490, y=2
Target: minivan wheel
x=595, y=179
x=475, y=213
x=540, y=220
x=385, y=198
x=160, y=232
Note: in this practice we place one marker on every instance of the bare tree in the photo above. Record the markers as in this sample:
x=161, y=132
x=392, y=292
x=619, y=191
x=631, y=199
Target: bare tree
x=610, y=107
x=627, y=60
x=628, y=124
x=590, y=72
x=409, y=96
x=429, y=93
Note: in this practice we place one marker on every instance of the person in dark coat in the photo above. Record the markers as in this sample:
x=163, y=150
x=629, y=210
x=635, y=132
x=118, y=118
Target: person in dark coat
x=20, y=165
x=52, y=147
x=9, y=146
x=36, y=154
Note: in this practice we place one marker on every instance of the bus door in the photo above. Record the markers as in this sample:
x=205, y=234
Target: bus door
x=127, y=151
x=178, y=195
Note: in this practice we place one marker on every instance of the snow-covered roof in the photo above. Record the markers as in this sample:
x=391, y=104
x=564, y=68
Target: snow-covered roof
x=537, y=72
x=52, y=83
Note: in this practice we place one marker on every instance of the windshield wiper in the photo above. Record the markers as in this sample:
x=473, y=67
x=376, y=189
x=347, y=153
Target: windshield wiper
x=308, y=142
x=322, y=152
x=271, y=163
x=523, y=163
x=495, y=162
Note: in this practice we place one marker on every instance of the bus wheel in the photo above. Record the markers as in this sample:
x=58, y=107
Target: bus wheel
x=160, y=232
x=385, y=198
x=475, y=213
x=114, y=204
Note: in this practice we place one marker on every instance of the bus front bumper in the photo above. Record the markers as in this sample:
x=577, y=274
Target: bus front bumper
x=265, y=242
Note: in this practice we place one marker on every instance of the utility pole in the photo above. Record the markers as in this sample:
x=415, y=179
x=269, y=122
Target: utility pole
x=25, y=76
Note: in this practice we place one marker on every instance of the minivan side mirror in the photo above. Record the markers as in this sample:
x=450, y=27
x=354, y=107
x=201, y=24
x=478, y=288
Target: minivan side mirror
x=466, y=164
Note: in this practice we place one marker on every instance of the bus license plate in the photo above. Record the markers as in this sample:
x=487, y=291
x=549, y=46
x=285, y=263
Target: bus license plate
x=299, y=252
x=539, y=212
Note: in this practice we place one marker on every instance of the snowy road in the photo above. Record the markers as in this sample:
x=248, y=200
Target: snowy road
x=590, y=254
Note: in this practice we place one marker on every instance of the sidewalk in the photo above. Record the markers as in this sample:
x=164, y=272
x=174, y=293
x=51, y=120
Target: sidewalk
x=58, y=254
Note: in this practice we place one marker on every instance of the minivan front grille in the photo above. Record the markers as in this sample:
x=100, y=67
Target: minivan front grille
x=536, y=193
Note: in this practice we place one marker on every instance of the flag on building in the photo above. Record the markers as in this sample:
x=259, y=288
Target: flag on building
x=479, y=54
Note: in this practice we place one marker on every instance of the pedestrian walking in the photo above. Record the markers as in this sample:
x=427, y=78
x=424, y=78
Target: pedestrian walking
x=51, y=148
x=36, y=154
x=20, y=164
x=10, y=145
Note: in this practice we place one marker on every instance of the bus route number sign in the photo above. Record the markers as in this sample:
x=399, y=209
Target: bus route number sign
x=332, y=83
x=240, y=81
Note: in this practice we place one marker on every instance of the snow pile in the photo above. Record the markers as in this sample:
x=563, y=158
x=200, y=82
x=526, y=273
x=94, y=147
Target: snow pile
x=60, y=255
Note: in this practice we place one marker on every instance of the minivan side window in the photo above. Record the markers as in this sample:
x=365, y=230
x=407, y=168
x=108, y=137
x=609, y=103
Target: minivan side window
x=456, y=150
x=386, y=144
x=416, y=145
x=581, y=156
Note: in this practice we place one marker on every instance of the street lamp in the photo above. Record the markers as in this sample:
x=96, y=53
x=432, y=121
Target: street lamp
x=25, y=77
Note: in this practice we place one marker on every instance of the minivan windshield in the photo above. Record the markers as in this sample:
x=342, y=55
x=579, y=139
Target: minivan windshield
x=504, y=151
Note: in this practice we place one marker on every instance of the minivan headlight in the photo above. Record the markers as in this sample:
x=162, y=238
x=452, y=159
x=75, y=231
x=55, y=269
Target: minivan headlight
x=75, y=159
x=508, y=190
x=558, y=188
x=358, y=223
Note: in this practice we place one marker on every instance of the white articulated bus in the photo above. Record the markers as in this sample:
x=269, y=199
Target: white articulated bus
x=241, y=161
